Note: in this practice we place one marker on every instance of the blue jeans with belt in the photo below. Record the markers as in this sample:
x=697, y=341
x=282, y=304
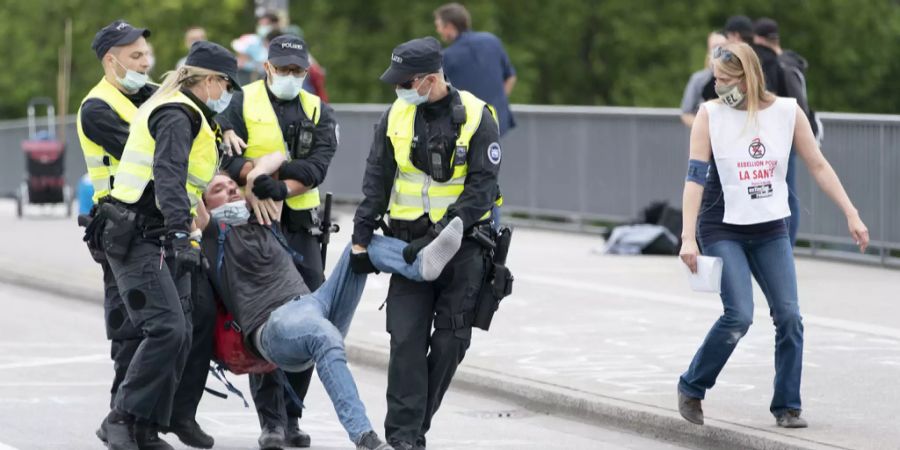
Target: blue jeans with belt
x=770, y=261
x=312, y=328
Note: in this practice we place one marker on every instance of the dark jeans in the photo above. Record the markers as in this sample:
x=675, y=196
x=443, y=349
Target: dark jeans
x=273, y=404
x=160, y=307
x=422, y=363
x=770, y=261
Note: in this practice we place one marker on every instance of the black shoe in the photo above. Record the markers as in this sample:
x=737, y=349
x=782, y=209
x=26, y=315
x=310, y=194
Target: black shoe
x=294, y=436
x=119, y=432
x=190, y=434
x=147, y=438
x=402, y=445
x=101, y=432
x=791, y=419
x=690, y=408
x=271, y=439
x=371, y=441
x=420, y=443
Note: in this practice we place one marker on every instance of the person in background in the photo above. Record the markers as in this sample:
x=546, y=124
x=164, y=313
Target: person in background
x=794, y=67
x=193, y=34
x=475, y=61
x=693, y=91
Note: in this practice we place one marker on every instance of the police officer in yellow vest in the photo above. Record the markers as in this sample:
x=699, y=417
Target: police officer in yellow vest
x=276, y=115
x=103, y=123
x=435, y=156
x=169, y=158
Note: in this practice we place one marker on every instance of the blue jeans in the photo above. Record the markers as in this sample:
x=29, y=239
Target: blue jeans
x=771, y=262
x=313, y=327
x=793, y=202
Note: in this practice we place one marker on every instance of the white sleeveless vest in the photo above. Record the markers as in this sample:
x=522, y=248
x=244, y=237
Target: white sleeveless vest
x=752, y=159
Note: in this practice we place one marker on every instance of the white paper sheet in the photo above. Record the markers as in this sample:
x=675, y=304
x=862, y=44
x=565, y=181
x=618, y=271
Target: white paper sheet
x=709, y=274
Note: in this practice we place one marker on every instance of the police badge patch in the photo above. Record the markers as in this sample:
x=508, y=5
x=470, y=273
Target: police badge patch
x=494, y=153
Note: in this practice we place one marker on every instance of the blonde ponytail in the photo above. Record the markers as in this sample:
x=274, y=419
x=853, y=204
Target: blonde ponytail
x=174, y=80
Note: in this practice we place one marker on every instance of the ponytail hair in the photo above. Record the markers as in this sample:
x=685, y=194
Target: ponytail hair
x=739, y=61
x=174, y=80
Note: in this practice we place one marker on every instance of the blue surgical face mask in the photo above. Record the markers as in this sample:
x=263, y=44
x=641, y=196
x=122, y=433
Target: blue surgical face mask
x=286, y=87
x=133, y=80
x=412, y=95
x=221, y=104
x=263, y=30
x=234, y=213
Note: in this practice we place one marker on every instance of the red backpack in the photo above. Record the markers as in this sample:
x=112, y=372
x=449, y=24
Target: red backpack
x=229, y=346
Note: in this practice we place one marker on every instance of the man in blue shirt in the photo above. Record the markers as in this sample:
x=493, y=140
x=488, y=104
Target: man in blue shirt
x=476, y=61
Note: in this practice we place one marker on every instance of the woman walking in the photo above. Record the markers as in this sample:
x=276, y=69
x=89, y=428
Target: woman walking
x=739, y=152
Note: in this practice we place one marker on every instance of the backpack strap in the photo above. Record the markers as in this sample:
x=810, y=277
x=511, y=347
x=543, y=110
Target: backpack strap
x=298, y=258
x=224, y=228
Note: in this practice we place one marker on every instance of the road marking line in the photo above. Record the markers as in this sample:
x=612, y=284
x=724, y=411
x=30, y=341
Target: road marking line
x=696, y=302
x=54, y=384
x=7, y=447
x=56, y=361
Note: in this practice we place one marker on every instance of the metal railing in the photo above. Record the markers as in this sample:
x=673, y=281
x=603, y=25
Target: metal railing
x=584, y=165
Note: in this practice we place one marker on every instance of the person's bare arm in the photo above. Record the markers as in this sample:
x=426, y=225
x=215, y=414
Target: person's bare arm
x=688, y=119
x=509, y=84
x=701, y=150
x=266, y=210
x=295, y=187
x=827, y=178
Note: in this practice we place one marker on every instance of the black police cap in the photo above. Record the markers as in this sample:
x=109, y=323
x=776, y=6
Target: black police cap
x=288, y=49
x=212, y=56
x=412, y=58
x=115, y=34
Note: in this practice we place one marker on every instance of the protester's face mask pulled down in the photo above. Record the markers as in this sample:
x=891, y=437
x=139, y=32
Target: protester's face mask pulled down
x=234, y=213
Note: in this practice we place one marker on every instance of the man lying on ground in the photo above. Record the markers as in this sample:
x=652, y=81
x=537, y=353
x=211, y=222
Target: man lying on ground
x=280, y=319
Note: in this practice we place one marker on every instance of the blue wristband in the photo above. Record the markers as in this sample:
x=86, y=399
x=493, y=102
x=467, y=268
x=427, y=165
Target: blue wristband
x=697, y=171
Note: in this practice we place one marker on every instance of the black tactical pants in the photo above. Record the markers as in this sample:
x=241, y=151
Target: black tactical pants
x=159, y=306
x=422, y=361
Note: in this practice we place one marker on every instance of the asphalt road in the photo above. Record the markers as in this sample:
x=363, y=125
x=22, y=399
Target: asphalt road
x=54, y=384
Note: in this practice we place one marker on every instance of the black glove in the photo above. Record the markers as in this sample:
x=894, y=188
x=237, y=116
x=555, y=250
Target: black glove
x=267, y=187
x=413, y=248
x=188, y=257
x=360, y=263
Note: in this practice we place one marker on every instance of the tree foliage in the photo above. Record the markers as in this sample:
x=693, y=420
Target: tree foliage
x=586, y=52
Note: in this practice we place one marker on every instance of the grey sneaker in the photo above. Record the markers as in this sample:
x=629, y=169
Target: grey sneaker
x=791, y=419
x=690, y=408
x=371, y=441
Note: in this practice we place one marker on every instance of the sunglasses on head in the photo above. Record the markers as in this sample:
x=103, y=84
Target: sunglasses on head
x=721, y=52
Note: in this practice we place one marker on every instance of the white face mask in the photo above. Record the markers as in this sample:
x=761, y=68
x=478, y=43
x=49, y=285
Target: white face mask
x=412, y=95
x=731, y=95
x=286, y=87
x=233, y=214
x=133, y=80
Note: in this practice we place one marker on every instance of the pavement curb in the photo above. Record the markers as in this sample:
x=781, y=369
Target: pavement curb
x=646, y=420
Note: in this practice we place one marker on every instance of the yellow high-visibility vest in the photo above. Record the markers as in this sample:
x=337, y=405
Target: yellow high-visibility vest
x=101, y=165
x=264, y=134
x=136, y=166
x=416, y=193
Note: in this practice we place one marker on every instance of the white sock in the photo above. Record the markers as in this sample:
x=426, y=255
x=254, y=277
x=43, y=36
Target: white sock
x=435, y=256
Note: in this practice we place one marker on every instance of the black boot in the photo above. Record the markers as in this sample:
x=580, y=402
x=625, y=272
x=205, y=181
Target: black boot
x=120, y=431
x=147, y=437
x=101, y=432
x=294, y=436
x=271, y=439
x=190, y=433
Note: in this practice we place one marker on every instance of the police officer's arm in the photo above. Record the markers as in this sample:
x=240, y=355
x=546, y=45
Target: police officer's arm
x=377, y=184
x=174, y=129
x=104, y=126
x=310, y=171
x=232, y=122
x=480, y=189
